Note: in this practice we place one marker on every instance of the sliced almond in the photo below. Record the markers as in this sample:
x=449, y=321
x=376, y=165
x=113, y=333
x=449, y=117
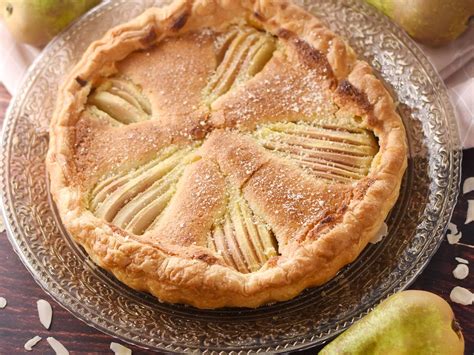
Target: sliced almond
x=454, y=238
x=45, y=313
x=462, y=296
x=58, y=348
x=32, y=342
x=3, y=302
x=453, y=229
x=461, y=271
x=461, y=260
x=468, y=185
x=119, y=349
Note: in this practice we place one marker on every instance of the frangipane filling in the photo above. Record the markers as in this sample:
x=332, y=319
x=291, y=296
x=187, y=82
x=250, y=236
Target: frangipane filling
x=332, y=151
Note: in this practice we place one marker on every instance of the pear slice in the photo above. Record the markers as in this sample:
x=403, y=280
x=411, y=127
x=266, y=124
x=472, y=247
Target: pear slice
x=243, y=240
x=129, y=90
x=117, y=107
x=330, y=153
x=102, y=116
x=240, y=55
x=137, y=215
x=121, y=197
x=118, y=101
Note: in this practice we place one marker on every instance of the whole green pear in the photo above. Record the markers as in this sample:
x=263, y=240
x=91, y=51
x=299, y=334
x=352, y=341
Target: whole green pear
x=433, y=22
x=36, y=22
x=409, y=322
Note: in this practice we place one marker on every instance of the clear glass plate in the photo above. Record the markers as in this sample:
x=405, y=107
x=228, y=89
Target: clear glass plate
x=416, y=223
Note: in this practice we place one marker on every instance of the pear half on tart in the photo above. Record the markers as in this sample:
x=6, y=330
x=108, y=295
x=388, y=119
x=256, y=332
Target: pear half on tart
x=224, y=153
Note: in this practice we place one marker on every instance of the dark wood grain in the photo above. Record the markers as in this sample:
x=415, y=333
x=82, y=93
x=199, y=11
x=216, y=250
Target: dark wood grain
x=19, y=320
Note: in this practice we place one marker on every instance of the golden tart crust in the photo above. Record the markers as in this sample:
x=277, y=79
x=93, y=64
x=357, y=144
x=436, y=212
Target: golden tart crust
x=224, y=153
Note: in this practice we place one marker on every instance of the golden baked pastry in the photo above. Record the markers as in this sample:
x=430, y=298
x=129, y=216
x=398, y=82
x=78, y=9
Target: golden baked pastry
x=224, y=153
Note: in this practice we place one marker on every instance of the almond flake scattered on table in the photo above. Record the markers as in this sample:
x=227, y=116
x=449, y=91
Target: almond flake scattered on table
x=454, y=238
x=382, y=232
x=468, y=185
x=32, y=342
x=470, y=212
x=119, y=349
x=3, y=302
x=45, y=313
x=462, y=296
x=461, y=271
x=58, y=348
x=453, y=229
x=461, y=260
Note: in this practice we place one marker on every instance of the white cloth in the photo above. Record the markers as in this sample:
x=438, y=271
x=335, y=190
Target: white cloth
x=455, y=63
x=14, y=59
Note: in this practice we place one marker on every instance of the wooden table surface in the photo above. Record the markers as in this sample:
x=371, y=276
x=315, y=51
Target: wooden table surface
x=19, y=320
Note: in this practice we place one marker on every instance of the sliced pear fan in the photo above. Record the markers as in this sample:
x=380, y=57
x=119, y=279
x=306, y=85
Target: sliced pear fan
x=336, y=155
x=118, y=101
x=133, y=200
x=241, y=55
x=242, y=239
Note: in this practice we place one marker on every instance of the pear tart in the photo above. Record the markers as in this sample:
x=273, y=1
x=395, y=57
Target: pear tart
x=224, y=153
